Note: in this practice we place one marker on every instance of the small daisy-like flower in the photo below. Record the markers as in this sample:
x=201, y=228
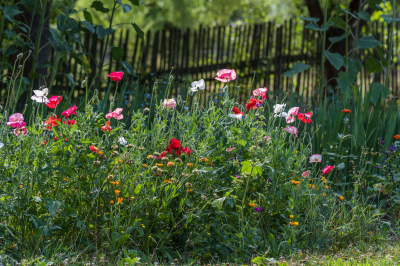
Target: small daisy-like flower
x=347, y=111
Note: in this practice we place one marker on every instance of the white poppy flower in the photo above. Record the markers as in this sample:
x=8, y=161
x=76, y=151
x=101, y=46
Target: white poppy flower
x=237, y=116
x=341, y=166
x=1, y=145
x=198, y=85
x=122, y=141
x=282, y=114
x=278, y=108
x=40, y=96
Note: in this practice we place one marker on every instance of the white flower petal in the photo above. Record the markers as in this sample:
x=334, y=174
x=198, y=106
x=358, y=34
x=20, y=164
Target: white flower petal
x=237, y=116
x=38, y=93
x=1, y=145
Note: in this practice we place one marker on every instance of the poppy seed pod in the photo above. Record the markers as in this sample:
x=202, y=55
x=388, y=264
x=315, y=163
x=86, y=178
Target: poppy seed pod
x=179, y=100
x=84, y=83
x=145, y=110
x=141, y=148
x=96, y=162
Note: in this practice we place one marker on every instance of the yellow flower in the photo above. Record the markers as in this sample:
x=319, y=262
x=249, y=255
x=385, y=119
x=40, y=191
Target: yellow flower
x=252, y=204
x=341, y=198
x=326, y=187
x=20, y=186
x=117, y=182
x=170, y=164
x=100, y=152
x=323, y=194
x=144, y=165
x=65, y=179
x=325, y=181
x=120, y=199
x=330, y=199
x=149, y=156
x=294, y=223
x=111, y=201
x=312, y=186
x=294, y=182
x=112, y=182
x=190, y=190
x=159, y=164
x=117, y=192
x=204, y=160
x=291, y=216
x=189, y=164
x=322, y=178
x=167, y=181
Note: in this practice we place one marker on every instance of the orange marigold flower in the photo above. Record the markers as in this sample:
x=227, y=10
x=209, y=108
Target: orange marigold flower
x=347, y=111
x=397, y=136
x=323, y=194
x=167, y=181
x=120, y=199
x=190, y=190
x=326, y=187
x=111, y=201
x=117, y=182
x=311, y=186
x=117, y=192
x=291, y=216
x=341, y=198
x=144, y=165
x=189, y=164
x=159, y=164
x=294, y=223
x=170, y=164
x=252, y=204
x=112, y=182
x=294, y=182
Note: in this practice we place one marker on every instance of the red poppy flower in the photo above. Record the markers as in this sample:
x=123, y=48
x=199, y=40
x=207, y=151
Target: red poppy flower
x=174, y=144
x=327, y=169
x=305, y=117
x=252, y=104
x=397, y=137
x=236, y=111
x=69, y=122
x=52, y=122
x=70, y=111
x=347, y=111
x=186, y=150
x=106, y=126
x=54, y=101
x=93, y=148
x=116, y=76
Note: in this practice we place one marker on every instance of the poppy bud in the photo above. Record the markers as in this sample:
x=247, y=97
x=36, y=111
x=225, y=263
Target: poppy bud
x=114, y=153
x=179, y=100
x=84, y=83
x=171, y=78
x=141, y=148
x=19, y=56
x=145, y=110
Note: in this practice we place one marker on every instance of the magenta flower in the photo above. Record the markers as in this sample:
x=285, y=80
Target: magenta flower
x=226, y=75
x=230, y=149
x=16, y=120
x=291, y=116
x=70, y=111
x=22, y=130
x=116, y=114
x=171, y=103
x=291, y=130
x=327, y=169
x=258, y=209
x=116, y=76
x=316, y=158
x=261, y=92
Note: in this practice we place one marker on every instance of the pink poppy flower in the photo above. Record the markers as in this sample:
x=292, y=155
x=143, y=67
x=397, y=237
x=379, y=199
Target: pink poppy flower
x=70, y=111
x=230, y=149
x=261, y=92
x=291, y=115
x=327, y=169
x=69, y=122
x=54, y=101
x=16, y=120
x=268, y=139
x=305, y=117
x=116, y=76
x=226, y=75
x=305, y=174
x=171, y=103
x=116, y=114
x=315, y=158
x=106, y=126
x=22, y=130
x=291, y=130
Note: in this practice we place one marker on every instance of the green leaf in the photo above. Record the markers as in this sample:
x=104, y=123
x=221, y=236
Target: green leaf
x=315, y=27
x=125, y=7
x=117, y=53
x=217, y=203
x=379, y=90
x=387, y=19
x=335, y=59
x=258, y=260
x=128, y=68
x=338, y=39
x=122, y=240
x=71, y=80
x=89, y=26
x=372, y=3
x=135, y=2
x=338, y=22
x=364, y=15
x=345, y=80
x=53, y=207
x=367, y=42
x=60, y=47
x=99, y=7
x=241, y=142
x=101, y=32
x=348, y=12
x=138, y=31
x=137, y=189
x=10, y=11
x=310, y=19
x=11, y=50
x=88, y=16
x=373, y=66
x=297, y=68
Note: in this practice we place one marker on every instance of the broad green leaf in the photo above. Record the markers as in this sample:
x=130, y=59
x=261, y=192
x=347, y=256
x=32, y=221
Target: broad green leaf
x=125, y=7
x=137, y=189
x=60, y=47
x=345, y=80
x=338, y=39
x=71, y=80
x=135, y=2
x=315, y=27
x=89, y=26
x=373, y=66
x=348, y=12
x=217, y=203
x=379, y=90
x=122, y=240
x=138, y=31
x=88, y=16
x=372, y=3
x=338, y=22
x=128, y=68
x=367, y=42
x=55, y=35
x=335, y=59
x=10, y=11
x=364, y=15
x=117, y=53
x=310, y=19
x=354, y=67
x=99, y=7
x=101, y=32
x=387, y=19
x=297, y=68
x=241, y=142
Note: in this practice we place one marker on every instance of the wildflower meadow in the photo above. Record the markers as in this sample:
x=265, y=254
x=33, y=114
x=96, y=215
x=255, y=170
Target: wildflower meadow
x=129, y=177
